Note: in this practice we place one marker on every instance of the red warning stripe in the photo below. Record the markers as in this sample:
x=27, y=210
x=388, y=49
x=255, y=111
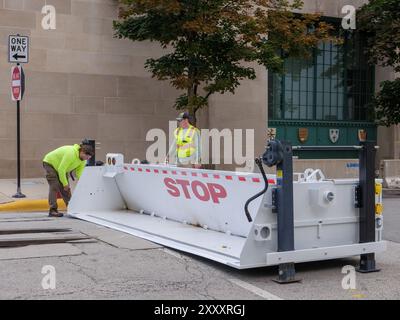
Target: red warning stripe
x=196, y=174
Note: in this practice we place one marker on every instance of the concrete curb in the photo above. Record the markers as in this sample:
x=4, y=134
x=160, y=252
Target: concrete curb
x=30, y=205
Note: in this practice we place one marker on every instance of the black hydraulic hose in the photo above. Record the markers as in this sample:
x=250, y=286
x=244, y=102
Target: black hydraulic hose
x=246, y=206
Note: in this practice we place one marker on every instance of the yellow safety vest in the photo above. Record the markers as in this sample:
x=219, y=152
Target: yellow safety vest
x=184, y=143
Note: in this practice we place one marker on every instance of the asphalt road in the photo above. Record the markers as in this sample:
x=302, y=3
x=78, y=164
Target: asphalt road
x=392, y=219
x=114, y=265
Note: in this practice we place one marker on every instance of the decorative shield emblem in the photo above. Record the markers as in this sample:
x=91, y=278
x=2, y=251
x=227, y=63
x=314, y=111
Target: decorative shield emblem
x=334, y=135
x=362, y=135
x=271, y=133
x=303, y=134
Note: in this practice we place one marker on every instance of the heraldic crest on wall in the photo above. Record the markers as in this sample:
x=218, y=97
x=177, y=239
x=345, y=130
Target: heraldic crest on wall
x=303, y=134
x=334, y=135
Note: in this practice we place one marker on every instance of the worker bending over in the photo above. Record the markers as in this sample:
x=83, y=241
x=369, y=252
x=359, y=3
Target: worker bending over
x=58, y=164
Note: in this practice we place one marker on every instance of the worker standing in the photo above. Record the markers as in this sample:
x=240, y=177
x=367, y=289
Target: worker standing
x=58, y=164
x=185, y=150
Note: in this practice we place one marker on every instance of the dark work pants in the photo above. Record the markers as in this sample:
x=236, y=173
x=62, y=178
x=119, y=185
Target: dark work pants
x=55, y=186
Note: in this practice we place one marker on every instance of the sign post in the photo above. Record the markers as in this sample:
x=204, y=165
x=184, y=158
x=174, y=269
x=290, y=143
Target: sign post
x=18, y=52
x=17, y=92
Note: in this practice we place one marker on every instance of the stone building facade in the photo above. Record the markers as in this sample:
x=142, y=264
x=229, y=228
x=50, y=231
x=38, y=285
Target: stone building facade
x=81, y=82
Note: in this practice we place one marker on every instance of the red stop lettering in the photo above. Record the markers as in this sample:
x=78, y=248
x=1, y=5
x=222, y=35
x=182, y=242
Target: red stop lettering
x=184, y=184
x=203, y=192
x=217, y=192
x=172, y=190
x=205, y=196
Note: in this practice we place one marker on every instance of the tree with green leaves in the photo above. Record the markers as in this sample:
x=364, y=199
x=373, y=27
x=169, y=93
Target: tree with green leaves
x=211, y=45
x=380, y=20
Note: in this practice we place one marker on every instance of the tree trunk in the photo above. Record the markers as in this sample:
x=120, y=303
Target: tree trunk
x=192, y=92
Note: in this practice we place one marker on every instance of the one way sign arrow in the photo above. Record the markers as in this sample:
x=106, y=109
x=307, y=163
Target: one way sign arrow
x=18, y=49
x=16, y=56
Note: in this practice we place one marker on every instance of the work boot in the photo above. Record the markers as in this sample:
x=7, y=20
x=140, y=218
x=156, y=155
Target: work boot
x=54, y=213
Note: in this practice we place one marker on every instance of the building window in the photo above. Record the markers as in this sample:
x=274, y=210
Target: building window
x=334, y=84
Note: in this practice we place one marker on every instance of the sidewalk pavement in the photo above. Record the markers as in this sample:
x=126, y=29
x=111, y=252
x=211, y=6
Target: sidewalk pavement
x=36, y=192
x=34, y=189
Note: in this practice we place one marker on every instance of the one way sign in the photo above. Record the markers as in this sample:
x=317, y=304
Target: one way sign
x=18, y=49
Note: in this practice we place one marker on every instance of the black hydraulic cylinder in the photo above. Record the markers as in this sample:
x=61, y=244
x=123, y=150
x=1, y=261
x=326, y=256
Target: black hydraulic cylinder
x=285, y=216
x=367, y=205
x=367, y=185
